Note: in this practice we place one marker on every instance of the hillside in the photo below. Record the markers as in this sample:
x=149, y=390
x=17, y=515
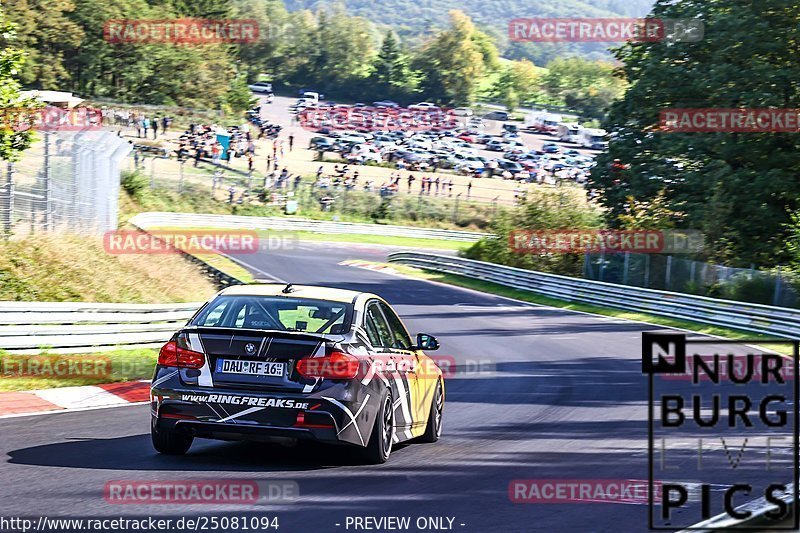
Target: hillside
x=412, y=19
x=53, y=268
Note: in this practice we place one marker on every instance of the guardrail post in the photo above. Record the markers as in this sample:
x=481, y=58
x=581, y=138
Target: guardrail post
x=602, y=265
x=153, y=173
x=668, y=274
x=48, y=191
x=8, y=218
x=646, y=271
x=180, y=180
x=586, y=265
x=455, y=209
x=625, y=268
x=776, y=297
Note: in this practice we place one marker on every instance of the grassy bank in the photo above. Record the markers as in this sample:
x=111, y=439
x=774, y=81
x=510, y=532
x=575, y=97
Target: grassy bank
x=61, y=267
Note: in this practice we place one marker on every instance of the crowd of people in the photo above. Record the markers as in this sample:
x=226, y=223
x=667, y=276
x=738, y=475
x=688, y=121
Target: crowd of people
x=138, y=120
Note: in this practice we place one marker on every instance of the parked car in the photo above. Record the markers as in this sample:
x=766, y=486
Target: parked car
x=463, y=112
x=423, y=106
x=512, y=166
x=261, y=87
x=386, y=103
x=497, y=115
x=495, y=145
x=550, y=148
x=321, y=144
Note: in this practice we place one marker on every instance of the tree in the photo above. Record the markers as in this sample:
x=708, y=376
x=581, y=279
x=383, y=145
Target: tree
x=454, y=61
x=12, y=141
x=239, y=98
x=47, y=34
x=590, y=87
x=518, y=82
x=739, y=188
x=391, y=75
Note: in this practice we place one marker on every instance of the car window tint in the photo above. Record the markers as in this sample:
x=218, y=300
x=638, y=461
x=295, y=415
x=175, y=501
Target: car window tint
x=213, y=315
x=372, y=331
x=401, y=337
x=384, y=334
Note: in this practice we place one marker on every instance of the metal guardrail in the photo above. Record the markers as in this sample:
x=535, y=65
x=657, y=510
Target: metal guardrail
x=778, y=321
x=190, y=220
x=32, y=326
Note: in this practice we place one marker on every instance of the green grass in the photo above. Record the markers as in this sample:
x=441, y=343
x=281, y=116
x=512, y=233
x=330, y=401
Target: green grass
x=58, y=267
x=30, y=372
x=527, y=296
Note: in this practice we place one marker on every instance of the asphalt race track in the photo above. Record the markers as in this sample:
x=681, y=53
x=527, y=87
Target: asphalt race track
x=542, y=394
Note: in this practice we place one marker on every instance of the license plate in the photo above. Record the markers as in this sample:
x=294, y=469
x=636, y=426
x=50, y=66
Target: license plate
x=251, y=368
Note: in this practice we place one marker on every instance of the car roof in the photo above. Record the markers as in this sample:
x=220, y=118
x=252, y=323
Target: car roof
x=298, y=291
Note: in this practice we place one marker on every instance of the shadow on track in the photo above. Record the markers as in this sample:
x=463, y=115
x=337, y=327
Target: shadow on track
x=136, y=453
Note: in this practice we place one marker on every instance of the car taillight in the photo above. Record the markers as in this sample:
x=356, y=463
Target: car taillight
x=173, y=355
x=336, y=365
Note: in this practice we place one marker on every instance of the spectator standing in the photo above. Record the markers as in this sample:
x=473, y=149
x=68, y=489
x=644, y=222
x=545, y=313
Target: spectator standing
x=410, y=181
x=469, y=189
x=155, y=127
x=436, y=183
x=492, y=167
x=450, y=187
x=291, y=142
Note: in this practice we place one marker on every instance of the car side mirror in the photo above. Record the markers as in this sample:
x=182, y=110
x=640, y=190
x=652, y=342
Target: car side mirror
x=427, y=342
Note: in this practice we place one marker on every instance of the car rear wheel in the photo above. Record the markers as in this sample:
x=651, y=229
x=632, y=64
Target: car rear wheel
x=380, y=442
x=170, y=442
x=434, y=428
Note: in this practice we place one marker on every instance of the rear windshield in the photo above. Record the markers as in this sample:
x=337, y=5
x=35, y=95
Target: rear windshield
x=276, y=313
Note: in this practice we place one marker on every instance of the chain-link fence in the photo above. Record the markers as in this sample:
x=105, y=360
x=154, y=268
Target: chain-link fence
x=302, y=195
x=666, y=272
x=68, y=180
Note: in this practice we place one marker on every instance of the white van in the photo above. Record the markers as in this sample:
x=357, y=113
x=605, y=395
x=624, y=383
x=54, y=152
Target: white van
x=593, y=138
x=547, y=123
x=569, y=132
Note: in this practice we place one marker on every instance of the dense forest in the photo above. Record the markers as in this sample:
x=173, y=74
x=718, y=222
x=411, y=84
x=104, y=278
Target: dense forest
x=414, y=19
x=346, y=56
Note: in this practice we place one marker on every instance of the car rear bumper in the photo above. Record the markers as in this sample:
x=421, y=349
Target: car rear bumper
x=341, y=413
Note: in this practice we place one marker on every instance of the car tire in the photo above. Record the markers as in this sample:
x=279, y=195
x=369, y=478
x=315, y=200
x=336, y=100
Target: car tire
x=380, y=443
x=434, y=428
x=170, y=441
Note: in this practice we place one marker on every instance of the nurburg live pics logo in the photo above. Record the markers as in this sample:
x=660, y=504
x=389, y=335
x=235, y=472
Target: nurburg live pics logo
x=726, y=436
